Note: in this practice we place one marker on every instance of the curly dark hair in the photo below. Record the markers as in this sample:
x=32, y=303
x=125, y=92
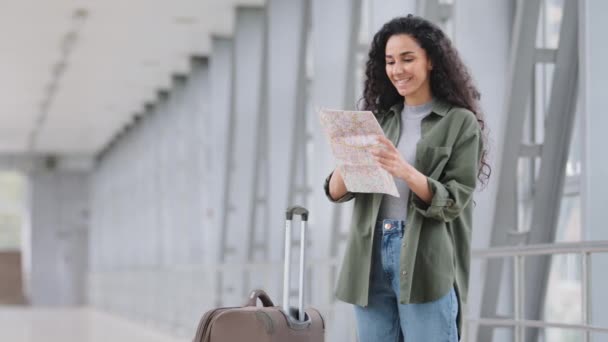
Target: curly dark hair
x=449, y=79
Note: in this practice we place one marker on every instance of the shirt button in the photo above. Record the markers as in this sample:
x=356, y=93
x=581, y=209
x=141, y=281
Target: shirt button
x=404, y=273
x=387, y=226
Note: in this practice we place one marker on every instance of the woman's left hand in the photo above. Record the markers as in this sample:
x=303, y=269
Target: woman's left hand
x=389, y=158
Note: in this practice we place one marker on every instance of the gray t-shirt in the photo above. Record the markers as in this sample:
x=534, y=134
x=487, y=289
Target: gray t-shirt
x=411, y=117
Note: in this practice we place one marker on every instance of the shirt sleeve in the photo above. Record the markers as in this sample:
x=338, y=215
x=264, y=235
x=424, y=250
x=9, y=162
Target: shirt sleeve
x=453, y=192
x=347, y=196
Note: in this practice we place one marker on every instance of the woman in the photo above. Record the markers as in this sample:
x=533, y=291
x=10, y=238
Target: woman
x=406, y=265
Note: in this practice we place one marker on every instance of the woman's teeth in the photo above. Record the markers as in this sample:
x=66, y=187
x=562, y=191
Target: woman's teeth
x=402, y=82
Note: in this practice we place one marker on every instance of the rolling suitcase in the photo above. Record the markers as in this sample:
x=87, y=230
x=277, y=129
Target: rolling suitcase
x=268, y=323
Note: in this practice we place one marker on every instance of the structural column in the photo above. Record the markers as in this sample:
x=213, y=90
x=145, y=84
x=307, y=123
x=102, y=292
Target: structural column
x=334, y=41
x=242, y=141
x=201, y=144
x=594, y=73
x=57, y=233
x=286, y=95
x=217, y=123
x=334, y=47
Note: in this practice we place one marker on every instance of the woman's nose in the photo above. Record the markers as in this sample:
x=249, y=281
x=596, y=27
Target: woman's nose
x=400, y=70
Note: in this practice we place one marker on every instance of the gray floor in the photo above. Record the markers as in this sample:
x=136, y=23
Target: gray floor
x=20, y=324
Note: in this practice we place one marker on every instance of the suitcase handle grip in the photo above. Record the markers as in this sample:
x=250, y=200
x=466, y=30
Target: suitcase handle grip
x=296, y=209
x=262, y=296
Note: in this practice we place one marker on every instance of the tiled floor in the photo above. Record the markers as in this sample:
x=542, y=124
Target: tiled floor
x=22, y=324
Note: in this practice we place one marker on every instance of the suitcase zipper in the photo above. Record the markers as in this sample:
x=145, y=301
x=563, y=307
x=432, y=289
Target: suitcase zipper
x=201, y=328
x=204, y=327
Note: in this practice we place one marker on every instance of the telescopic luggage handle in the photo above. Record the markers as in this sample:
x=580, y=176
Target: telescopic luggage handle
x=303, y=212
x=297, y=210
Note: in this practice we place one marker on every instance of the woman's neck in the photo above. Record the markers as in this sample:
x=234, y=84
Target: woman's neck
x=418, y=99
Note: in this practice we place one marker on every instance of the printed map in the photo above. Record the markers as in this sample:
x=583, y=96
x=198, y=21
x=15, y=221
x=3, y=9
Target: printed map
x=351, y=135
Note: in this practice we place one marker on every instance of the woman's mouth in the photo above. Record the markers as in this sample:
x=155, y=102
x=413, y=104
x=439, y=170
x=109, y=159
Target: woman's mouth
x=402, y=82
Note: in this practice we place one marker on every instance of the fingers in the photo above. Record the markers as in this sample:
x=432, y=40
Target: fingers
x=386, y=149
x=384, y=141
x=384, y=158
x=388, y=166
x=386, y=155
x=385, y=164
x=381, y=153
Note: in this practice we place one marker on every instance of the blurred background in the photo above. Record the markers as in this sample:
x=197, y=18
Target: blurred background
x=148, y=150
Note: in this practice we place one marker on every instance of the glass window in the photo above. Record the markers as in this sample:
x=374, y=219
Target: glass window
x=12, y=197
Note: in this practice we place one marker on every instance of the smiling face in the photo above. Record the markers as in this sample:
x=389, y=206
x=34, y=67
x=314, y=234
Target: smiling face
x=408, y=68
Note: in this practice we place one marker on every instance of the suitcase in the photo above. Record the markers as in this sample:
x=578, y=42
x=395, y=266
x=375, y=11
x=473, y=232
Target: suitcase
x=268, y=323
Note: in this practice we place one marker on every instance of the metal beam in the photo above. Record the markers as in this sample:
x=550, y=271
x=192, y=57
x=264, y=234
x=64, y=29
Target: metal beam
x=435, y=11
x=547, y=56
x=554, y=156
x=522, y=62
x=531, y=150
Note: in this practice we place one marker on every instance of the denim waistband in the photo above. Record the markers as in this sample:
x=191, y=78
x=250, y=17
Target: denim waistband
x=389, y=226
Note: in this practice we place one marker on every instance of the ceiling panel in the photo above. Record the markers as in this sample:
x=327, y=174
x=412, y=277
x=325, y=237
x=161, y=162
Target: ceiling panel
x=123, y=52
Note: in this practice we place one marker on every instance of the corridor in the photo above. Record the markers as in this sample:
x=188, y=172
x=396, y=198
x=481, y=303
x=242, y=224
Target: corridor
x=21, y=324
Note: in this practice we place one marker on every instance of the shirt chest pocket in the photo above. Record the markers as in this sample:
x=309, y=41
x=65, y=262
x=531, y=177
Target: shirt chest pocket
x=431, y=160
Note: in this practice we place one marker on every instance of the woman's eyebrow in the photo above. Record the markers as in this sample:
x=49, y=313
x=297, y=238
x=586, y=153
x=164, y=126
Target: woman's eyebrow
x=401, y=54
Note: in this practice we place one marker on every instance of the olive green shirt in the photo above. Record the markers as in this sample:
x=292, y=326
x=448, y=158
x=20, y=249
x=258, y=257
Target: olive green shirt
x=435, y=254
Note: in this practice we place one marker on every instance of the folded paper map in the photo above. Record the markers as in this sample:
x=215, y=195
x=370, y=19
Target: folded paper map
x=352, y=135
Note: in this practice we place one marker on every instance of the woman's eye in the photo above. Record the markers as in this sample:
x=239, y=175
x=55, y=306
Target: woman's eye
x=390, y=63
x=408, y=60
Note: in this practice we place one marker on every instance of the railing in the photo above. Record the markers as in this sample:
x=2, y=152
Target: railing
x=518, y=253
x=135, y=300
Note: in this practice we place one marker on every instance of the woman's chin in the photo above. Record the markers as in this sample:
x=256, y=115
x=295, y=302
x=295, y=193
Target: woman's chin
x=403, y=92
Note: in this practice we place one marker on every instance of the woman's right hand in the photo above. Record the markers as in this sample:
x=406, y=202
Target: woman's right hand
x=337, y=188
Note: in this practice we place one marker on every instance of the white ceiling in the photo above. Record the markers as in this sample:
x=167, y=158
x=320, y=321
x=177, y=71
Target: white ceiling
x=124, y=51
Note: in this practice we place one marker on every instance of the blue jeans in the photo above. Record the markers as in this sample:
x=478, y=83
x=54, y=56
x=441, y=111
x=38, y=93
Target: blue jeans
x=384, y=319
